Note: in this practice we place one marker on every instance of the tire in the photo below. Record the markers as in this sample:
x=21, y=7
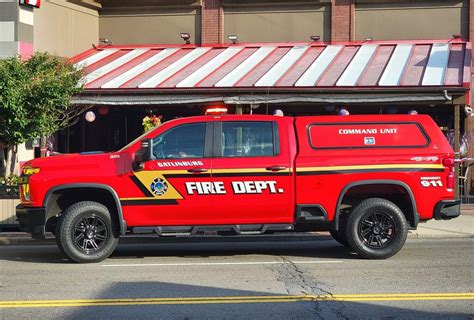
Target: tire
x=376, y=229
x=85, y=232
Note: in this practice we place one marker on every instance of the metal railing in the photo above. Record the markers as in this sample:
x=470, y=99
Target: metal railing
x=464, y=178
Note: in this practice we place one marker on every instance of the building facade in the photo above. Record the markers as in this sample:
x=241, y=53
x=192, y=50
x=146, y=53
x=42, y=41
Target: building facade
x=69, y=27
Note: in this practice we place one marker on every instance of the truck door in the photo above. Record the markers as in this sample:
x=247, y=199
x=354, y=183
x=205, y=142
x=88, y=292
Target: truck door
x=252, y=169
x=181, y=153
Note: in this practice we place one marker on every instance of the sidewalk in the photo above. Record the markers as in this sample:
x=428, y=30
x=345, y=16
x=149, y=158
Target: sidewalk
x=461, y=227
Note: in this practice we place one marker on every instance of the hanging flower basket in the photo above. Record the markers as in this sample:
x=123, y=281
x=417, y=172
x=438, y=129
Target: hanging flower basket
x=150, y=122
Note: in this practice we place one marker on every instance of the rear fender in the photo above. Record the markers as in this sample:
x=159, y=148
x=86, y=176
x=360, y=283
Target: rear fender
x=412, y=216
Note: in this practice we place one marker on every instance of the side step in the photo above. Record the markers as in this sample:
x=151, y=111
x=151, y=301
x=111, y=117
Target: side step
x=243, y=229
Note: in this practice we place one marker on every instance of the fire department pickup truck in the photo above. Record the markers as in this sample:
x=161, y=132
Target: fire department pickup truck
x=366, y=179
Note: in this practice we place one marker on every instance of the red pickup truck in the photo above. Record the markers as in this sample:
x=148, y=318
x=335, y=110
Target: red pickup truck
x=367, y=179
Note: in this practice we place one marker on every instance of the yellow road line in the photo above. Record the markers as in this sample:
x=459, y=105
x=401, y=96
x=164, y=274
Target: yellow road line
x=236, y=299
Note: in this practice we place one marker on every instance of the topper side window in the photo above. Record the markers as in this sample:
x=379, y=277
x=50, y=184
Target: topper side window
x=184, y=141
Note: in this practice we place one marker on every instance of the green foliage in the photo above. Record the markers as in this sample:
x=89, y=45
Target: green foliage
x=35, y=96
x=11, y=180
x=9, y=186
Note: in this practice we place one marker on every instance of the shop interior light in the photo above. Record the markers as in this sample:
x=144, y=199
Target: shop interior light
x=186, y=37
x=216, y=111
x=369, y=38
x=315, y=38
x=233, y=37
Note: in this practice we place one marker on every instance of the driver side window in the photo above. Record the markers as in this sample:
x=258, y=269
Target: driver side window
x=185, y=141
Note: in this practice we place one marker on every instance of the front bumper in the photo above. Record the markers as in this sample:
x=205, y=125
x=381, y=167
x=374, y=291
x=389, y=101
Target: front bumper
x=447, y=209
x=32, y=220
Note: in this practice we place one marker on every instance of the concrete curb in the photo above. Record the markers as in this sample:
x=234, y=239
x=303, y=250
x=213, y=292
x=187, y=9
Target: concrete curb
x=24, y=239
x=414, y=234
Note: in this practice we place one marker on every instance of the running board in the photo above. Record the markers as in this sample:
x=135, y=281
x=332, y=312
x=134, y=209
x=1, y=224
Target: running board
x=242, y=229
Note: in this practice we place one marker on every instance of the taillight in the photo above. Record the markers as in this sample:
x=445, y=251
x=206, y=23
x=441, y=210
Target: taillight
x=449, y=163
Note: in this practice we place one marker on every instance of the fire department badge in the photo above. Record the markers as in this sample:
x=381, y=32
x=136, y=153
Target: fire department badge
x=159, y=186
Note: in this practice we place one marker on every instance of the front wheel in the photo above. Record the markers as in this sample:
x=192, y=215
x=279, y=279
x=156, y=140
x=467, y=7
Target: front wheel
x=376, y=229
x=85, y=232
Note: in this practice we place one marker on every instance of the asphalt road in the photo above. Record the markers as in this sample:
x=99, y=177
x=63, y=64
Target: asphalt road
x=283, y=279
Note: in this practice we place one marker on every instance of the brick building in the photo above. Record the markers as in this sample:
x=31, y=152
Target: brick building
x=69, y=27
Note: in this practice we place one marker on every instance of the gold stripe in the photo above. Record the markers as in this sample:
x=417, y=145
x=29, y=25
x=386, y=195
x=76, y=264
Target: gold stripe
x=246, y=170
x=375, y=166
x=242, y=170
x=164, y=171
x=236, y=299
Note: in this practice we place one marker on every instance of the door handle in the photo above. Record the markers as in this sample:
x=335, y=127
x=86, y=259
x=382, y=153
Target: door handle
x=197, y=170
x=275, y=168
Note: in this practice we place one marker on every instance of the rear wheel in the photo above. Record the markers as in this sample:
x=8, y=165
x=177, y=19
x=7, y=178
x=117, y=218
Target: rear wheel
x=376, y=229
x=85, y=232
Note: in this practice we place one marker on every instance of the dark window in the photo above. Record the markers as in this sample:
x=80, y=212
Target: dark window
x=247, y=139
x=367, y=135
x=186, y=141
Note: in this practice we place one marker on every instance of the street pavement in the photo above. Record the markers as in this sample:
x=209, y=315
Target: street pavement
x=294, y=276
x=283, y=278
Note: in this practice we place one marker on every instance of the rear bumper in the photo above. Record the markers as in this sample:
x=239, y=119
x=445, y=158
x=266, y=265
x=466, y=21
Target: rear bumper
x=447, y=209
x=32, y=220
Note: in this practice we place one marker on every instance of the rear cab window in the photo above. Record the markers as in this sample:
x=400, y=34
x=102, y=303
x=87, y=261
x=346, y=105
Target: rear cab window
x=248, y=139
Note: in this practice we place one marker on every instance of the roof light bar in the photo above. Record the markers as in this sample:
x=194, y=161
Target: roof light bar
x=216, y=111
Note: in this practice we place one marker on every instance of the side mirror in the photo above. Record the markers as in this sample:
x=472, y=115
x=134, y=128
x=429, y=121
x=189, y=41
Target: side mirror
x=146, y=151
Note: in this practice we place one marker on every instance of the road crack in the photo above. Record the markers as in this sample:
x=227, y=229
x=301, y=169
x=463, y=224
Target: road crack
x=297, y=282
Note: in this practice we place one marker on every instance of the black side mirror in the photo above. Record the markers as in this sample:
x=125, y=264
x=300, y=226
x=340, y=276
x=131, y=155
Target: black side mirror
x=146, y=151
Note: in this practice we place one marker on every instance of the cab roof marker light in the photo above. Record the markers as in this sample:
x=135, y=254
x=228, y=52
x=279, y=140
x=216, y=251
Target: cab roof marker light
x=216, y=111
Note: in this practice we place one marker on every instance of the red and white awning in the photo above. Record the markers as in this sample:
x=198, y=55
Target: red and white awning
x=274, y=67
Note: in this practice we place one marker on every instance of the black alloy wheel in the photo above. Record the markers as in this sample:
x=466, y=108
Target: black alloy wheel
x=376, y=229
x=90, y=233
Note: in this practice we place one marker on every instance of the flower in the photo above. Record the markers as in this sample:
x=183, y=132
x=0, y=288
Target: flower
x=150, y=122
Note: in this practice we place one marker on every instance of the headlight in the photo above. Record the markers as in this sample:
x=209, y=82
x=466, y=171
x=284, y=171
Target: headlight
x=23, y=182
x=28, y=171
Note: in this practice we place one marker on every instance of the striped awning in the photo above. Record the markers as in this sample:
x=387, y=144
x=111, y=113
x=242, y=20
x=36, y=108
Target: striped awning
x=277, y=67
